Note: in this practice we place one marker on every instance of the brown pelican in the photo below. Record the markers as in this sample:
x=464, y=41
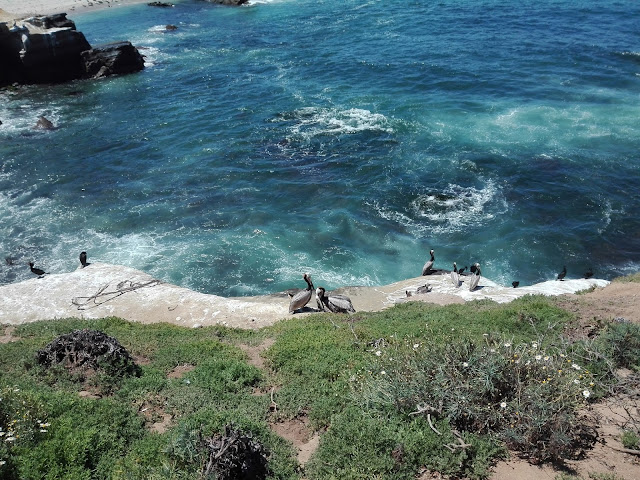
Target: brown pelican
x=36, y=270
x=455, y=278
x=475, y=278
x=301, y=298
x=426, y=270
x=334, y=303
x=83, y=259
x=424, y=288
x=563, y=273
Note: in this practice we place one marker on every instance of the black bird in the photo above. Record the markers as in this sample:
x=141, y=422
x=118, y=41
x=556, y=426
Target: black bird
x=83, y=259
x=588, y=273
x=473, y=268
x=462, y=270
x=563, y=273
x=426, y=270
x=36, y=270
x=515, y=284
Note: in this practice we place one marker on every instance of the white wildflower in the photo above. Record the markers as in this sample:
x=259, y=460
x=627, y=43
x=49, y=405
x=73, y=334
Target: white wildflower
x=383, y=372
x=465, y=364
x=507, y=345
x=2, y=462
x=42, y=430
x=586, y=393
x=534, y=345
x=416, y=345
x=503, y=405
x=576, y=381
x=577, y=367
x=9, y=439
x=378, y=353
x=538, y=357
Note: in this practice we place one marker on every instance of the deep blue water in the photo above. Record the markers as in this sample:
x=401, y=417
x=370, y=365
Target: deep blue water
x=340, y=138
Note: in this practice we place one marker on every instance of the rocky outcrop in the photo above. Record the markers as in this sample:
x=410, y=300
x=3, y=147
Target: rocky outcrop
x=49, y=49
x=112, y=59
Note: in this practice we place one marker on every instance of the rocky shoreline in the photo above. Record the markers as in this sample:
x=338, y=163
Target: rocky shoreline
x=102, y=289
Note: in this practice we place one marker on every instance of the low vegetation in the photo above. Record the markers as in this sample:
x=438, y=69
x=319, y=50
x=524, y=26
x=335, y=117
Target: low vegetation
x=447, y=389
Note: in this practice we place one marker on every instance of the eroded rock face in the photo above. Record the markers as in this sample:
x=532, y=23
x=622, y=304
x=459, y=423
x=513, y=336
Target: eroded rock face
x=48, y=49
x=112, y=59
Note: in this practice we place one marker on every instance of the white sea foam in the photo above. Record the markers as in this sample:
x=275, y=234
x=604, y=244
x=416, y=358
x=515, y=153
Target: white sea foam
x=313, y=121
x=452, y=209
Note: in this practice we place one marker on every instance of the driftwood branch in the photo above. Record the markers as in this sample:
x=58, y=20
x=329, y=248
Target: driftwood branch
x=103, y=296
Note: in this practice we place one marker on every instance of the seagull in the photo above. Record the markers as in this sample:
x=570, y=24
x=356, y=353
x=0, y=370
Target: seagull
x=515, y=284
x=426, y=270
x=333, y=303
x=563, y=273
x=301, y=298
x=455, y=277
x=424, y=288
x=36, y=270
x=475, y=278
x=83, y=259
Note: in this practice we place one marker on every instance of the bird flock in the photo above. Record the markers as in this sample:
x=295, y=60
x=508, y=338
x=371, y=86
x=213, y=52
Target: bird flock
x=335, y=303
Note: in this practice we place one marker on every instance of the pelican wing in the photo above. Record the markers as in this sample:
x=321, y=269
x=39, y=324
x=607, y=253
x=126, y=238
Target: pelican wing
x=299, y=300
x=340, y=304
x=473, y=283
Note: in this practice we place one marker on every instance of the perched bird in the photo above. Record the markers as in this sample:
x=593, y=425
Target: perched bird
x=455, y=277
x=563, y=273
x=515, y=284
x=475, y=278
x=408, y=293
x=588, y=273
x=462, y=270
x=83, y=259
x=334, y=303
x=424, y=288
x=36, y=270
x=426, y=270
x=301, y=298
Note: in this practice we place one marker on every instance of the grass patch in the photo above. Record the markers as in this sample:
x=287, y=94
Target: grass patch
x=391, y=393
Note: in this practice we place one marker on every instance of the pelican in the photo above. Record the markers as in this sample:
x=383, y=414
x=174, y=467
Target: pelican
x=475, y=278
x=563, y=273
x=334, y=303
x=301, y=298
x=426, y=270
x=424, y=288
x=83, y=259
x=455, y=278
x=36, y=270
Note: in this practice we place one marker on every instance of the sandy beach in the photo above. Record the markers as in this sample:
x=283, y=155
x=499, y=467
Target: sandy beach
x=18, y=9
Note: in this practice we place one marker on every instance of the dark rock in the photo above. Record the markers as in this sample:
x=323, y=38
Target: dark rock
x=160, y=4
x=171, y=28
x=34, y=54
x=112, y=59
x=44, y=124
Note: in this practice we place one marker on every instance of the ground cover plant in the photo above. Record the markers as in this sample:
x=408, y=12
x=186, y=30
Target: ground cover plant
x=447, y=389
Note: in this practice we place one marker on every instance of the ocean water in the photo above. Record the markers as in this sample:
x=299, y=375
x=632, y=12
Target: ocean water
x=341, y=138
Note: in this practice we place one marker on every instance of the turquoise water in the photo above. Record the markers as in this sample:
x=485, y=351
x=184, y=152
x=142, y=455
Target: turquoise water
x=344, y=139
